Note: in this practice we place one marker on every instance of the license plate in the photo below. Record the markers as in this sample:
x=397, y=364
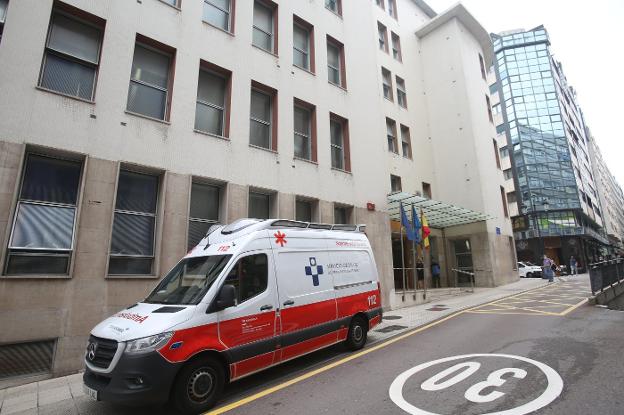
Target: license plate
x=91, y=393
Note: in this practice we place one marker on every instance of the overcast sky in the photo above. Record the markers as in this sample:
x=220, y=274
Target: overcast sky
x=588, y=39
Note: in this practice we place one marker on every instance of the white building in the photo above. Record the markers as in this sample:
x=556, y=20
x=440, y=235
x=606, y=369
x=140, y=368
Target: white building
x=129, y=127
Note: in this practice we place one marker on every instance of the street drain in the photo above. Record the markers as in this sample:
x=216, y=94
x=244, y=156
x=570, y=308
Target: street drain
x=392, y=317
x=391, y=328
x=437, y=308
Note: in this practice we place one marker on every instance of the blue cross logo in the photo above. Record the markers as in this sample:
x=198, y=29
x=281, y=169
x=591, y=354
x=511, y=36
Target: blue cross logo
x=314, y=275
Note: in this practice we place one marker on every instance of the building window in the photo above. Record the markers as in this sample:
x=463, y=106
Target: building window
x=339, y=132
x=134, y=225
x=336, y=63
x=335, y=6
x=392, y=8
x=396, y=47
x=218, y=13
x=259, y=205
x=263, y=117
x=303, y=44
x=72, y=54
x=401, y=93
x=150, y=83
x=173, y=3
x=386, y=77
x=395, y=183
x=496, y=155
x=383, y=37
x=305, y=130
x=504, y=152
x=213, y=98
x=391, y=135
x=342, y=214
x=304, y=210
x=42, y=238
x=204, y=211
x=426, y=187
x=508, y=174
x=511, y=197
x=406, y=142
x=380, y=3
x=4, y=4
x=500, y=128
x=265, y=26
x=482, y=65
x=489, y=108
x=505, y=210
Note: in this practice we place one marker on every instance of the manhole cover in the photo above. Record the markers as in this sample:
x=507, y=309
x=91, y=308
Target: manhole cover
x=392, y=317
x=391, y=328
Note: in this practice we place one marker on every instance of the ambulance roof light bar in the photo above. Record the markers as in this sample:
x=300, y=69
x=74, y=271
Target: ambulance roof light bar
x=286, y=223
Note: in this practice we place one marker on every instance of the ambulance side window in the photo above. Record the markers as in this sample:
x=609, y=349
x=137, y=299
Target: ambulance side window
x=249, y=276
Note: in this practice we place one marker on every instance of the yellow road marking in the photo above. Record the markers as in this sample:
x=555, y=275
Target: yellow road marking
x=506, y=313
x=386, y=343
x=574, y=307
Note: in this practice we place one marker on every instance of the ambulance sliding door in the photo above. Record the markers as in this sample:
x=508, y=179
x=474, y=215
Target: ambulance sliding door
x=306, y=298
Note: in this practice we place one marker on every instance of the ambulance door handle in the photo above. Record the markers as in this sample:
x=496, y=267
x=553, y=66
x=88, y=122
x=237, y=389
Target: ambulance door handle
x=289, y=302
x=266, y=307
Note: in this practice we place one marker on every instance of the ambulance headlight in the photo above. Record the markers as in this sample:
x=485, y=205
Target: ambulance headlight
x=148, y=344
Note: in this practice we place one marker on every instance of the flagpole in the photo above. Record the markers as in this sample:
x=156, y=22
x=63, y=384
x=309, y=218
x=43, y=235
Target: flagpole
x=402, y=260
x=423, y=261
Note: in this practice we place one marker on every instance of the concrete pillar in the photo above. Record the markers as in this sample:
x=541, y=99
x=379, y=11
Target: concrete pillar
x=175, y=220
x=286, y=208
x=238, y=200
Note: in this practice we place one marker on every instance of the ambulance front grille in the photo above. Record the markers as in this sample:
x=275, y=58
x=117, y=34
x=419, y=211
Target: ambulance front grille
x=105, y=350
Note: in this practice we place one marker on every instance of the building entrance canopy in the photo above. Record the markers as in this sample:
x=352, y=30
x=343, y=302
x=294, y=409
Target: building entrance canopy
x=439, y=215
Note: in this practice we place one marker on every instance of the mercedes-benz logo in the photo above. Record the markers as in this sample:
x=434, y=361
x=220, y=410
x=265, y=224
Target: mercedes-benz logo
x=91, y=349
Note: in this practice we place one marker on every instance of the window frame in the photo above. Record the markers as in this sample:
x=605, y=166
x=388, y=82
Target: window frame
x=69, y=252
x=81, y=17
x=504, y=201
x=270, y=194
x=313, y=143
x=165, y=50
x=393, y=143
x=392, y=9
x=496, y=155
x=482, y=65
x=345, y=149
x=339, y=46
x=396, y=47
x=230, y=13
x=235, y=265
x=338, y=10
x=401, y=91
x=273, y=8
x=309, y=29
x=394, y=179
x=226, y=75
x=387, y=87
x=489, y=108
x=220, y=191
x=382, y=32
x=405, y=132
x=348, y=210
x=272, y=94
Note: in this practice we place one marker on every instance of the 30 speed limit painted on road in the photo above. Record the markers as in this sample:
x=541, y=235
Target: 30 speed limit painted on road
x=483, y=384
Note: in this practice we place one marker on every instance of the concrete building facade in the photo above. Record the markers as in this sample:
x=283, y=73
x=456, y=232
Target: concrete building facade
x=129, y=128
x=542, y=141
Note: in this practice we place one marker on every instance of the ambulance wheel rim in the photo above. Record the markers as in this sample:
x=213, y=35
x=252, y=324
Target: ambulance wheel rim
x=201, y=385
x=358, y=333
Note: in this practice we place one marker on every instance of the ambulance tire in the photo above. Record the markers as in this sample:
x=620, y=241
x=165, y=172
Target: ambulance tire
x=358, y=330
x=198, y=386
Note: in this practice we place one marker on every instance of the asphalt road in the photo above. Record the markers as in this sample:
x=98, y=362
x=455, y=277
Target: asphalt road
x=580, y=346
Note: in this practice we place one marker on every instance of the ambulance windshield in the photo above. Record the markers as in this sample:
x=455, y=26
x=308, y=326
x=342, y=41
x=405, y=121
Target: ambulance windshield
x=188, y=282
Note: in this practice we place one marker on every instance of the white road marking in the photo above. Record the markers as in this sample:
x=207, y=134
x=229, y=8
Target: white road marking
x=552, y=391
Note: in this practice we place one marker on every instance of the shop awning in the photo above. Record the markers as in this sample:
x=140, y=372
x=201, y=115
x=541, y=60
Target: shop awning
x=440, y=215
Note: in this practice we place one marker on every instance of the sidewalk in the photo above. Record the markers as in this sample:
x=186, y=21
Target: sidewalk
x=64, y=395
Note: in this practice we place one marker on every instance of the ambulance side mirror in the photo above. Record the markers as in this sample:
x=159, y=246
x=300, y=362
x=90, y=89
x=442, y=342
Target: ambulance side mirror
x=227, y=297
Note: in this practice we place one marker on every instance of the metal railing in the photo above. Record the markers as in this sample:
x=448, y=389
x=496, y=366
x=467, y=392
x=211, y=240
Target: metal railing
x=605, y=274
x=471, y=278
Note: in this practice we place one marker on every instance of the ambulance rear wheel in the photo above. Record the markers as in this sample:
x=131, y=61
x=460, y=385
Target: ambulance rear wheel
x=198, y=386
x=358, y=330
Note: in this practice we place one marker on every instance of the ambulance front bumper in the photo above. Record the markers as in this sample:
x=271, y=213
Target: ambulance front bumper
x=135, y=380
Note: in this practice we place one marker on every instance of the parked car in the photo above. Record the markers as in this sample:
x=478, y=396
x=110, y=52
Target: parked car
x=529, y=270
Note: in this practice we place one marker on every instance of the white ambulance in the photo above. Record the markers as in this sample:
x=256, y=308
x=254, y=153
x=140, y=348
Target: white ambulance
x=251, y=295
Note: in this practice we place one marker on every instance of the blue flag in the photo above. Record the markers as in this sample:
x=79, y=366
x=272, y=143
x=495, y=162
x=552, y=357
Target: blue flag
x=406, y=223
x=416, y=225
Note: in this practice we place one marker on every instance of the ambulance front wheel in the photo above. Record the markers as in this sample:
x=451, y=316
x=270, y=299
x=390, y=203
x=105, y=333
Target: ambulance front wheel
x=358, y=330
x=199, y=385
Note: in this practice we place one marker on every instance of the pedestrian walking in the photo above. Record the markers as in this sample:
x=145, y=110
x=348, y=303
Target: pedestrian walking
x=547, y=271
x=435, y=274
x=573, y=263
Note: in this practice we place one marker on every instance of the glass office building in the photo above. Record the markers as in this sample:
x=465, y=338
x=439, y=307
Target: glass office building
x=558, y=207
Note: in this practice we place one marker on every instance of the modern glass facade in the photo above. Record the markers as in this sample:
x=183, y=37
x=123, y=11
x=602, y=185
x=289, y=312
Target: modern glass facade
x=546, y=137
